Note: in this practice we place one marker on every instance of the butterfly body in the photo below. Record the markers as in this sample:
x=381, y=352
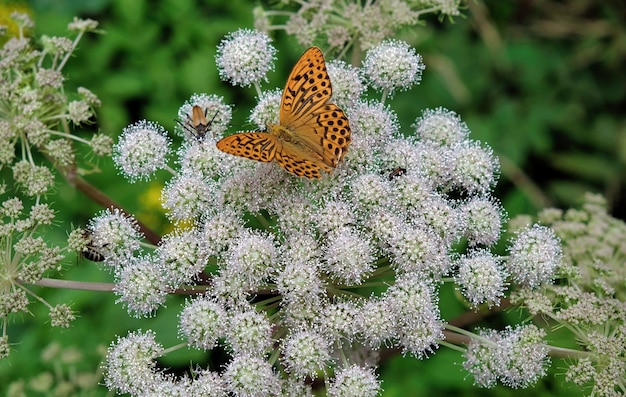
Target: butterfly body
x=312, y=134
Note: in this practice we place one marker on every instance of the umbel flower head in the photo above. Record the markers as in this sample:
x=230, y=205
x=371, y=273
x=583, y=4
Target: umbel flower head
x=245, y=57
x=515, y=357
x=288, y=257
x=141, y=150
x=37, y=141
x=344, y=24
x=392, y=65
x=591, y=303
x=36, y=112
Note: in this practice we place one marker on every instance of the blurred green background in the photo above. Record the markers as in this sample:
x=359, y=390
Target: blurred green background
x=541, y=82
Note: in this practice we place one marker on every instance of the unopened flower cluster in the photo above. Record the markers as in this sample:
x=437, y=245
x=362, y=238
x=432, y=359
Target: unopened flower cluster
x=591, y=303
x=305, y=276
x=35, y=138
x=344, y=24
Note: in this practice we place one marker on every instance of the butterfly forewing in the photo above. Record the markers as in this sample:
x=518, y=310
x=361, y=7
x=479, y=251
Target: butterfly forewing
x=252, y=145
x=308, y=88
x=321, y=126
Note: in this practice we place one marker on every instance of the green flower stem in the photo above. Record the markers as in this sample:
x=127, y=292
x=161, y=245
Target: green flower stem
x=174, y=348
x=80, y=285
x=474, y=317
x=562, y=352
x=451, y=345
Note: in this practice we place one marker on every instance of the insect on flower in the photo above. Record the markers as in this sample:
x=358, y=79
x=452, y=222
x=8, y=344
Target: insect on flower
x=91, y=251
x=197, y=125
x=312, y=135
x=396, y=172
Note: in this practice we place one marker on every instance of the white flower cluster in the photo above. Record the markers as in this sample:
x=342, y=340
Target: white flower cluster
x=301, y=270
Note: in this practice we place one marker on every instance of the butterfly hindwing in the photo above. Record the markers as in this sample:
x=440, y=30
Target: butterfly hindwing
x=329, y=134
x=257, y=146
x=299, y=162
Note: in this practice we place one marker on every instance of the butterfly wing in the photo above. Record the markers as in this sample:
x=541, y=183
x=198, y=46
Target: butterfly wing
x=307, y=89
x=306, y=114
x=257, y=146
x=313, y=134
x=300, y=161
x=328, y=134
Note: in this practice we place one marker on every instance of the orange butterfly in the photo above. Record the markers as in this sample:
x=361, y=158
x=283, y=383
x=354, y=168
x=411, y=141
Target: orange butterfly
x=313, y=134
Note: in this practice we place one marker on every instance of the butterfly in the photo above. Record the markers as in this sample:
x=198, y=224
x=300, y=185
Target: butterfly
x=197, y=124
x=312, y=135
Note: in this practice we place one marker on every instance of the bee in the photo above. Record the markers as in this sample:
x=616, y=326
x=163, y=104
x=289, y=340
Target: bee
x=91, y=251
x=396, y=172
x=197, y=124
